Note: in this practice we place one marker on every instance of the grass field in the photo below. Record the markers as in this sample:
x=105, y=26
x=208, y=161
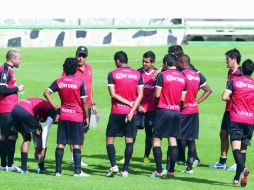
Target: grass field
x=40, y=66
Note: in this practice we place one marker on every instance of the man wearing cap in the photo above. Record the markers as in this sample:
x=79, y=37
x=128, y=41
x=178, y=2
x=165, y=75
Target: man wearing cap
x=84, y=72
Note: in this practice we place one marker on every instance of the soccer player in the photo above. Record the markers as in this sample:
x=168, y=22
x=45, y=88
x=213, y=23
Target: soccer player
x=73, y=114
x=189, y=114
x=8, y=99
x=84, y=72
x=125, y=87
x=170, y=93
x=241, y=92
x=27, y=115
x=233, y=59
x=147, y=106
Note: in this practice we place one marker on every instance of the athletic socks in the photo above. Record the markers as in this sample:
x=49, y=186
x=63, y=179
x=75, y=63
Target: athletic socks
x=59, y=157
x=111, y=154
x=127, y=155
x=168, y=158
x=191, y=154
x=41, y=164
x=173, y=157
x=238, y=168
x=10, y=151
x=181, y=145
x=157, y=153
x=3, y=151
x=148, y=146
x=77, y=160
x=222, y=160
x=239, y=159
x=24, y=161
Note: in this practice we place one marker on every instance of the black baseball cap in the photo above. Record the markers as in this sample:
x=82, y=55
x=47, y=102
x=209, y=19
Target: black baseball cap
x=82, y=50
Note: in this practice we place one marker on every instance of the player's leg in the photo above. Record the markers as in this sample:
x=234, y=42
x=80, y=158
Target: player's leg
x=24, y=151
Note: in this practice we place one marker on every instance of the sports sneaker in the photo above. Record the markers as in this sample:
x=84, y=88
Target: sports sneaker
x=244, y=177
x=156, y=174
x=112, y=171
x=82, y=174
x=165, y=172
x=58, y=174
x=146, y=160
x=121, y=161
x=217, y=165
x=232, y=168
x=3, y=168
x=188, y=171
x=42, y=171
x=13, y=168
x=124, y=173
x=235, y=182
x=82, y=164
x=196, y=163
x=24, y=172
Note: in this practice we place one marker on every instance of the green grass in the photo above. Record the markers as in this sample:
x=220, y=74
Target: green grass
x=40, y=66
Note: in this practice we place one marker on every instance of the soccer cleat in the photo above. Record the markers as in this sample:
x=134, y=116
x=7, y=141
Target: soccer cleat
x=24, y=172
x=196, y=163
x=82, y=164
x=42, y=171
x=124, y=173
x=13, y=168
x=146, y=160
x=188, y=171
x=3, y=168
x=235, y=182
x=232, y=168
x=156, y=174
x=165, y=172
x=170, y=174
x=58, y=174
x=217, y=165
x=112, y=171
x=121, y=161
x=81, y=174
x=244, y=177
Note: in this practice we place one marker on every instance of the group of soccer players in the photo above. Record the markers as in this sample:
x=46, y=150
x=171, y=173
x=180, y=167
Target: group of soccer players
x=163, y=101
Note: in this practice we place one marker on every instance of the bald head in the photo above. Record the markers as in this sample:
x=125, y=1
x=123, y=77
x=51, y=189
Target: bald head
x=183, y=61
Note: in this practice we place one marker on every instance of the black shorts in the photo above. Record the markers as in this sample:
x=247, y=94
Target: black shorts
x=225, y=123
x=7, y=127
x=140, y=121
x=166, y=124
x=189, y=126
x=241, y=131
x=89, y=114
x=117, y=127
x=24, y=121
x=70, y=132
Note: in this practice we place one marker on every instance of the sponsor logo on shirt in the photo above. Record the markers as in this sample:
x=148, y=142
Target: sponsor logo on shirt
x=149, y=86
x=244, y=113
x=191, y=77
x=63, y=85
x=129, y=76
x=65, y=110
x=244, y=85
x=27, y=101
x=173, y=78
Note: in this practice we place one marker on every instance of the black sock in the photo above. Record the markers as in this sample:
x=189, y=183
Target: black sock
x=191, y=154
x=77, y=160
x=111, y=154
x=173, y=157
x=239, y=159
x=168, y=158
x=148, y=146
x=157, y=153
x=59, y=157
x=24, y=161
x=10, y=151
x=3, y=151
x=181, y=144
x=41, y=164
x=238, y=169
x=127, y=155
x=222, y=160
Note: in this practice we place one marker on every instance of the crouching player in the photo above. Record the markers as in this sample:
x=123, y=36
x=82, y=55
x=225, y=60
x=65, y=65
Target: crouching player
x=241, y=118
x=27, y=115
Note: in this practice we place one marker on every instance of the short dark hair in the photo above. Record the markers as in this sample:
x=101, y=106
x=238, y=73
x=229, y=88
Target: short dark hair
x=248, y=67
x=184, y=57
x=70, y=66
x=175, y=50
x=169, y=60
x=234, y=54
x=149, y=54
x=121, y=56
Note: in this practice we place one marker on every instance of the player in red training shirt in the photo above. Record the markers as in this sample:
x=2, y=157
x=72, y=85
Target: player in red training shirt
x=189, y=114
x=170, y=93
x=73, y=114
x=240, y=91
x=8, y=99
x=27, y=115
x=126, y=90
x=233, y=59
